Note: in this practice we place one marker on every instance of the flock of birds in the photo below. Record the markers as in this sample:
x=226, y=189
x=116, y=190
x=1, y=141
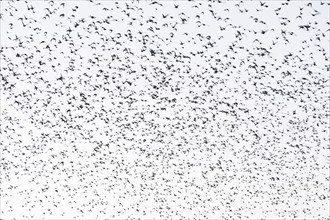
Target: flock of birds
x=164, y=109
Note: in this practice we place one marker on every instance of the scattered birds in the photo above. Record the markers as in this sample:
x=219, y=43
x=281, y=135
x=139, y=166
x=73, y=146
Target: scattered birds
x=156, y=109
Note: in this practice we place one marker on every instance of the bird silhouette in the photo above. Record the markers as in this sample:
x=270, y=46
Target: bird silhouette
x=162, y=110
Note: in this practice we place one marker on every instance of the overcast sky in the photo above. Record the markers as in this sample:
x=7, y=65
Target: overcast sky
x=164, y=109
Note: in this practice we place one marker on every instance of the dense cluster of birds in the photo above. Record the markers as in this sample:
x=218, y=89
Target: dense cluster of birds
x=164, y=109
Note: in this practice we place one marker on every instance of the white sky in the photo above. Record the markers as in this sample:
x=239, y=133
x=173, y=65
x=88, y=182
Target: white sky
x=159, y=158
